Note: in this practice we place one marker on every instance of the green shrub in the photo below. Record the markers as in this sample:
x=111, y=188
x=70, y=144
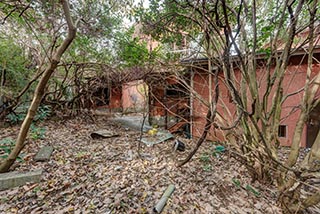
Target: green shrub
x=6, y=146
x=14, y=118
x=20, y=113
x=42, y=113
x=37, y=132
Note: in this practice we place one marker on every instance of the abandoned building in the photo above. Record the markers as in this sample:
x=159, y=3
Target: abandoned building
x=169, y=102
x=172, y=106
x=294, y=81
x=118, y=92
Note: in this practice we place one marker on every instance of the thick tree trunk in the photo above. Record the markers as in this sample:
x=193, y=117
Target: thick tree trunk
x=39, y=92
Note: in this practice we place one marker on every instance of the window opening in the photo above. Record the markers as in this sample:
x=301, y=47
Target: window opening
x=282, y=131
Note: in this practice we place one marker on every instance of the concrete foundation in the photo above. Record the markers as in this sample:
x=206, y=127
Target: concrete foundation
x=14, y=179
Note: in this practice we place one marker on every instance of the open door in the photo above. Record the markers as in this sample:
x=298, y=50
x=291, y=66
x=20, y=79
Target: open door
x=313, y=126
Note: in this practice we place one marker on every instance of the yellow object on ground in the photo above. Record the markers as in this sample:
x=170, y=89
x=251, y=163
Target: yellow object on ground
x=152, y=131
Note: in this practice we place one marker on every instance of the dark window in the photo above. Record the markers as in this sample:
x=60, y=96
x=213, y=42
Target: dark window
x=175, y=90
x=106, y=96
x=172, y=92
x=282, y=131
x=102, y=96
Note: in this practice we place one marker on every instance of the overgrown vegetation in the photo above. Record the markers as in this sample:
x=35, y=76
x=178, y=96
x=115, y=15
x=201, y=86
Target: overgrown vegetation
x=42, y=57
x=243, y=51
x=20, y=113
x=55, y=58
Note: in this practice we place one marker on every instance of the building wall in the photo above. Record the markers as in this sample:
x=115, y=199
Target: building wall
x=166, y=107
x=294, y=80
x=114, y=104
x=138, y=33
x=115, y=99
x=128, y=98
x=134, y=96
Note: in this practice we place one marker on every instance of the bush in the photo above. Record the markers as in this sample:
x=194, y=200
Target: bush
x=6, y=145
x=20, y=113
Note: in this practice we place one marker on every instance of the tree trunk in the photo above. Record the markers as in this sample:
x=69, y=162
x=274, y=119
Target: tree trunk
x=39, y=92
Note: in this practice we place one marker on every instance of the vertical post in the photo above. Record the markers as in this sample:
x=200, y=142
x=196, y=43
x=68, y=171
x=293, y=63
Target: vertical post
x=166, y=108
x=191, y=102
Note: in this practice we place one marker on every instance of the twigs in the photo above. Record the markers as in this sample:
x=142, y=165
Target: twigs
x=211, y=114
x=145, y=115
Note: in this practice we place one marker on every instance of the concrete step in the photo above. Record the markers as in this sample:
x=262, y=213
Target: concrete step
x=13, y=179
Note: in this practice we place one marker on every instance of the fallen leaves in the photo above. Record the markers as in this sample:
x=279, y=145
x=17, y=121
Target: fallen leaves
x=88, y=175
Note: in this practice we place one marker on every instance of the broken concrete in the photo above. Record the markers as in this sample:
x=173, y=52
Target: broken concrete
x=129, y=155
x=14, y=179
x=44, y=153
x=161, y=136
x=133, y=122
x=103, y=134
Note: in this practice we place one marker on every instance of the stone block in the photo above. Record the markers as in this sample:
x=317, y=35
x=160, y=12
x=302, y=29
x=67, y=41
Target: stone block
x=13, y=179
x=44, y=153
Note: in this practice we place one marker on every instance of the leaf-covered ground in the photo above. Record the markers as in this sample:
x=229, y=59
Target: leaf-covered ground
x=107, y=176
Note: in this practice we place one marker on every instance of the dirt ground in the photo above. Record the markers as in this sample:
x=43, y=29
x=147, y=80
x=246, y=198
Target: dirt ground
x=107, y=175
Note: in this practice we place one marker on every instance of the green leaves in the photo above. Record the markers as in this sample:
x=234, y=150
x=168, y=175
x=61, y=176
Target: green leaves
x=15, y=118
x=13, y=67
x=42, y=113
x=236, y=182
x=132, y=51
x=252, y=190
x=37, y=132
x=19, y=114
x=6, y=146
x=248, y=187
x=205, y=157
x=163, y=20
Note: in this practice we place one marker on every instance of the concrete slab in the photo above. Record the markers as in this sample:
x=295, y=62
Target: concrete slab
x=161, y=136
x=132, y=122
x=44, y=153
x=135, y=123
x=14, y=179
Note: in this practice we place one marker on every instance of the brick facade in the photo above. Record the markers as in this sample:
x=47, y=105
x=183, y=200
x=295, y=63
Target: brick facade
x=294, y=80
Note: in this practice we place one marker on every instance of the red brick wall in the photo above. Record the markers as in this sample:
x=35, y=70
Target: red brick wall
x=159, y=100
x=115, y=98
x=156, y=107
x=294, y=80
x=167, y=109
x=127, y=96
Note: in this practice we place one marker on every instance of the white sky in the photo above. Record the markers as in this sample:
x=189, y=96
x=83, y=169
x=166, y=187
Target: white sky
x=145, y=3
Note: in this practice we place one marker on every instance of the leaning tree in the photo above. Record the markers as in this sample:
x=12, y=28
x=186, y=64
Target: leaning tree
x=54, y=60
x=58, y=58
